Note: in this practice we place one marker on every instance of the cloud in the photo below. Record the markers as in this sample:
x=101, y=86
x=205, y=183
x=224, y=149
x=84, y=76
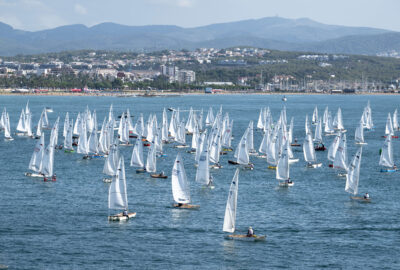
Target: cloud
x=80, y=9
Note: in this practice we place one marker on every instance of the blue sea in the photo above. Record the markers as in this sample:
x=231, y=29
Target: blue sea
x=312, y=225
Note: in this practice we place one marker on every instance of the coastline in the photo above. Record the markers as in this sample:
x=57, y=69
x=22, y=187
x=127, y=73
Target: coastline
x=143, y=93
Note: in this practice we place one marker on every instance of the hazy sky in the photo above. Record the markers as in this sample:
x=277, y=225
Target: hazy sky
x=43, y=14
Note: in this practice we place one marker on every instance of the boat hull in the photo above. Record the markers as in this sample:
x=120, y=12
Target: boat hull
x=360, y=199
x=34, y=175
x=186, y=206
x=314, y=165
x=121, y=217
x=244, y=237
x=158, y=176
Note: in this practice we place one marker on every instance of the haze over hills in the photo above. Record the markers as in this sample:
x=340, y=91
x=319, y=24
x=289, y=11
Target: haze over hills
x=271, y=32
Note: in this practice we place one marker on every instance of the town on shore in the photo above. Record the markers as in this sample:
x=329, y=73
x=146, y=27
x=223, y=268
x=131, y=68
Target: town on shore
x=210, y=71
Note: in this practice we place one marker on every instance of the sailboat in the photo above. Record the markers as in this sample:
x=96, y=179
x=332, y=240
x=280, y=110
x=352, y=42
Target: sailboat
x=117, y=195
x=386, y=158
x=353, y=176
x=309, y=152
x=282, y=168
x=137, y=156
x=359, y=134
x=36, y=160
x=340, y=161
x=203, y=170
x=180, y=186
x=7, y=132
x=230, y=213
x=315, y=116
x=242, y=154
x=389, y=131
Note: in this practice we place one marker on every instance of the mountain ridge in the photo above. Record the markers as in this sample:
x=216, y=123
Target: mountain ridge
x=270, y=32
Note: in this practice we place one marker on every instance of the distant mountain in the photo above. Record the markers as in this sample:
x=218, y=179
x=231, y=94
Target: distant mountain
x=272, y=32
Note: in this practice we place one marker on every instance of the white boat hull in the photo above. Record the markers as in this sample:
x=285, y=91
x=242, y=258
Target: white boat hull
x=314, y=165
x=34, y=175
x=121, y=217
x=293, y=160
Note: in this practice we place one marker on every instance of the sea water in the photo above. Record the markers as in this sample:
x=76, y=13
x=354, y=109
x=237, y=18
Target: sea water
x=314, y=224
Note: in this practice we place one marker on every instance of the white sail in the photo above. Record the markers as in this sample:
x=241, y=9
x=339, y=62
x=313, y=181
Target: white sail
x=117, y=195
x=325, y=117
x=386, y=158
x=37, y=155
x=242, y=152
x=250, y=138
x=263, y=149
x=195, y=137
x=389, y=126
x=180, y=185
x=315, y=115
x=201, y=143
x=7, y=130
x=308, y=148
x=329, y=125
x=231, y=204
x=307, y=126
x=47, y=164
x=28, y=125
x=353, y=173
x=83, y=147
x=77, y=125
x=210, y=117
x=66, y=125
x=93, y=143
x=137, y=154
x=164, y=130
x=339, y=124
x=54, y=133
x=318, y=131
x=215, y=149
x=21, y=122
x=282, y=168
x=340, y=160
x=333, y=147
x=203, y=169
x=395, y=120
x=45, y=120
x=151, y=162
x=68, y=136
x=260, y=122
x=111, y=162
x=359, y=134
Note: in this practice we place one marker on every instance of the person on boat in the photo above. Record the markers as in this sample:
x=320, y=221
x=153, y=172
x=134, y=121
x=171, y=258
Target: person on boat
x=289, y=181
x=395, y=167
x=250, y=232
x=211, y=181
x=54, y=178
x=366, y=196
x=125, y=213
x=162, y=173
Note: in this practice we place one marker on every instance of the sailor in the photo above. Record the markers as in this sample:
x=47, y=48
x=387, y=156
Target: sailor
x=366, y=196
x=162, y=173
x=125, y=213
x=289, y=181
x=250, y=232
x=211, y=181
x=54, y=178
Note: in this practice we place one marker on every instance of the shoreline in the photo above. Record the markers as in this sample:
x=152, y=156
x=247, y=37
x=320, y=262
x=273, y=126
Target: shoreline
x=170, y=94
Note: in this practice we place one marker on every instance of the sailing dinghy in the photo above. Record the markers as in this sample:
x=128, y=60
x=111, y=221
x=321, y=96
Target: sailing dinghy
x=117, y=195
x=180, y=186
x=309, y=152
x=353, y=176
x=36, y=159
x=386, y=158
x=230, y=214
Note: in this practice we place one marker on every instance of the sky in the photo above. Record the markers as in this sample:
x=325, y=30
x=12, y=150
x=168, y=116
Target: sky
x=36, y=15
